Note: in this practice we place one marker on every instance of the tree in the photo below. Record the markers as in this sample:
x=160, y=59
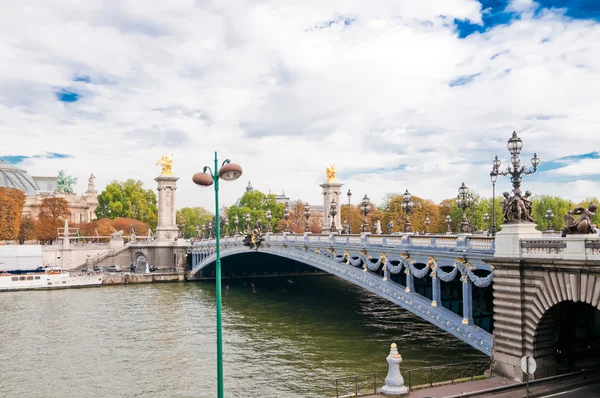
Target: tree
x=26, y=230
x=53, y=212
x=192, y=217
x=558, y=206
x=130, y=200
x=11, y=210
x=256, y=204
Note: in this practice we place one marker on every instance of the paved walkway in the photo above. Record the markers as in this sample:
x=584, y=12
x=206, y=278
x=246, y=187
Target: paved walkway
x=454, y=389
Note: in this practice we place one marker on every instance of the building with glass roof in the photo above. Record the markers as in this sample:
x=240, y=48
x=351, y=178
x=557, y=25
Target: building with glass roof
x=37, y=189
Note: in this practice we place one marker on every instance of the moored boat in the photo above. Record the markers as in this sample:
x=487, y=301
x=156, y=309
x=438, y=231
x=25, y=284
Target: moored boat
x=52, y=278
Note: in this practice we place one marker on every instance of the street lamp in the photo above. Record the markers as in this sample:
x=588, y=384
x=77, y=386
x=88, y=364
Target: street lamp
x=349, y=212
x=269, y=215
x=464, y=200
x=236, y=221
x=427, y=222
x=306, y=216
x=228, y=172
x=365, y=209
x=203, y=231
x=493, y=177
x=449, y=223
x=333, y=213
x=247, y=218
x=198, y=232
x=226, y=220
x=210, y=230
x=286, y=215
x=486, y=218
x=407, y=206
x=549, y=216
x=518, y=206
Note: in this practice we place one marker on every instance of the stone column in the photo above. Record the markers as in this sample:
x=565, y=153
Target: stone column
x=166, y=230
x=331, y=190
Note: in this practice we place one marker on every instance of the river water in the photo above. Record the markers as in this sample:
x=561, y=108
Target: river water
x=282, y=338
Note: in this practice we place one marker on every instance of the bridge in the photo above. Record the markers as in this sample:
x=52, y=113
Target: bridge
x=407, y=270
x=540, y=298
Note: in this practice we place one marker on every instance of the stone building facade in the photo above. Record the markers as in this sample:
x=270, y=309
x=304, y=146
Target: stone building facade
x=36, y=189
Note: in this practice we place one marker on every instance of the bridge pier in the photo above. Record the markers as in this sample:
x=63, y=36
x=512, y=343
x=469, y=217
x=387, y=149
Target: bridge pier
x=546, y=305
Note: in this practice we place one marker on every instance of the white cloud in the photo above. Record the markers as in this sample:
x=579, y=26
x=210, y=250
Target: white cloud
x=261, y=83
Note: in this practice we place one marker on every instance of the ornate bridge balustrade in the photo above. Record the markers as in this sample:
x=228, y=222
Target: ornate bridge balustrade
x=390, y=266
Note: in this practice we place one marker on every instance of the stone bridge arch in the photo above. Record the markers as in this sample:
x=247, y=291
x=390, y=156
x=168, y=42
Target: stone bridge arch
x=370, y=276
x=534, y=300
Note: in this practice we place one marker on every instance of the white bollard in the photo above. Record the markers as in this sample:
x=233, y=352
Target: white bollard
x=394, y=382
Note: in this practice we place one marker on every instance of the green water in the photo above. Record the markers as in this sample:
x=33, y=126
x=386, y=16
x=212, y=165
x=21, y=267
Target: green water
x=282, y=338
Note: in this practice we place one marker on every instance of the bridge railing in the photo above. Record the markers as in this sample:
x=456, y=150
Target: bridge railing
x=574, y=247
x=451, y=242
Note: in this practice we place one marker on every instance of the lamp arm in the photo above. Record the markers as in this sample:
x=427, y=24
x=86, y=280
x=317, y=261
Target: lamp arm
x=529, y=171
x=226, y=161
x=209, y=169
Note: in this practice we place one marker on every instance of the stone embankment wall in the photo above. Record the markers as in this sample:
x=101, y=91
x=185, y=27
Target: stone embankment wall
x=125, y=278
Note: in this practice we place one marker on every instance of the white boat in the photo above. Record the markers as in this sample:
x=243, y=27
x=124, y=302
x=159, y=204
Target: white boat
x=51, y=278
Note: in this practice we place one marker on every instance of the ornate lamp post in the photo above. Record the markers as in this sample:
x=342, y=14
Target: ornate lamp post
x=236, y=221
x=493, y=177
x=449, y=223
x=269, y=215
x=203, y=231
x=228, y=172
x=226, y=220
x=349, y=212
x=333, y=213
x=407, y=206
x=210, y=230
x=549, y=216
x=286, y=215
x=306, y=216
x=247, y=219
x=517, y=206
x=464, y=200
x=486, y=218
x=390, y=226
x=427, y=222
x=365, y=209
x=198, y=232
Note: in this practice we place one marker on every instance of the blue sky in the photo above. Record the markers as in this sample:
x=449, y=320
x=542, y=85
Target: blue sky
x=398, y=95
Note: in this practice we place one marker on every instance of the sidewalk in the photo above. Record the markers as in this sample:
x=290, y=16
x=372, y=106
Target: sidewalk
x=455, y=389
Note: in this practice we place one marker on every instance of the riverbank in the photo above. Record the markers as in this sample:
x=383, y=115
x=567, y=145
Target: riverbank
x=125, y=278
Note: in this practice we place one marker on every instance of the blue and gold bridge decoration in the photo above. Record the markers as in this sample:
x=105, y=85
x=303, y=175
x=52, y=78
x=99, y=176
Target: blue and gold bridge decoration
x=412, y=271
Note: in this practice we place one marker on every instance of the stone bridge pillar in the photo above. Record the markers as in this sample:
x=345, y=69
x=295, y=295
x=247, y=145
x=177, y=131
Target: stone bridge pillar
x=541, y=289
x=166, y=229
x=331, y=190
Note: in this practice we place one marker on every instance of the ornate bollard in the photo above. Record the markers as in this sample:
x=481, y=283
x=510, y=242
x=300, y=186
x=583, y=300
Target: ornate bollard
x=394, y=382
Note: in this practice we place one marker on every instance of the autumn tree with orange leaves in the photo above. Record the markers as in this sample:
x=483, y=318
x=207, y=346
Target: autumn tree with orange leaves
x=53, y=212
x=11, y=210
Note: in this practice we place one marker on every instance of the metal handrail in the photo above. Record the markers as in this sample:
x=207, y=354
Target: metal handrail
x=446, y=373
x=359, y=389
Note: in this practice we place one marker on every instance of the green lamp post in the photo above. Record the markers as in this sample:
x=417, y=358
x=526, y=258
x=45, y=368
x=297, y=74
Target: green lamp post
x=228, y=172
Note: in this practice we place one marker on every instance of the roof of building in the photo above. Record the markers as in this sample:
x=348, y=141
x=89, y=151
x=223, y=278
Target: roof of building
x=14, y=177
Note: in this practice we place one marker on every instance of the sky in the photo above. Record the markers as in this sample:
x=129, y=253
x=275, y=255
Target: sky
x=417, y=95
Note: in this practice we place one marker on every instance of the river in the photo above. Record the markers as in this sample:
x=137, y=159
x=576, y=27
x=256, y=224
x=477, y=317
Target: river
x=282, y=338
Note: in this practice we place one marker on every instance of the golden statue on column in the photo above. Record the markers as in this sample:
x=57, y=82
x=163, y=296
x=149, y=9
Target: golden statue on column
x=166, y=161
x=330, y=173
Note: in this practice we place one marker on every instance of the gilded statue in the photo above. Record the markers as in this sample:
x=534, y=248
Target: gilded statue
x=166, y=161
x=330, y=173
